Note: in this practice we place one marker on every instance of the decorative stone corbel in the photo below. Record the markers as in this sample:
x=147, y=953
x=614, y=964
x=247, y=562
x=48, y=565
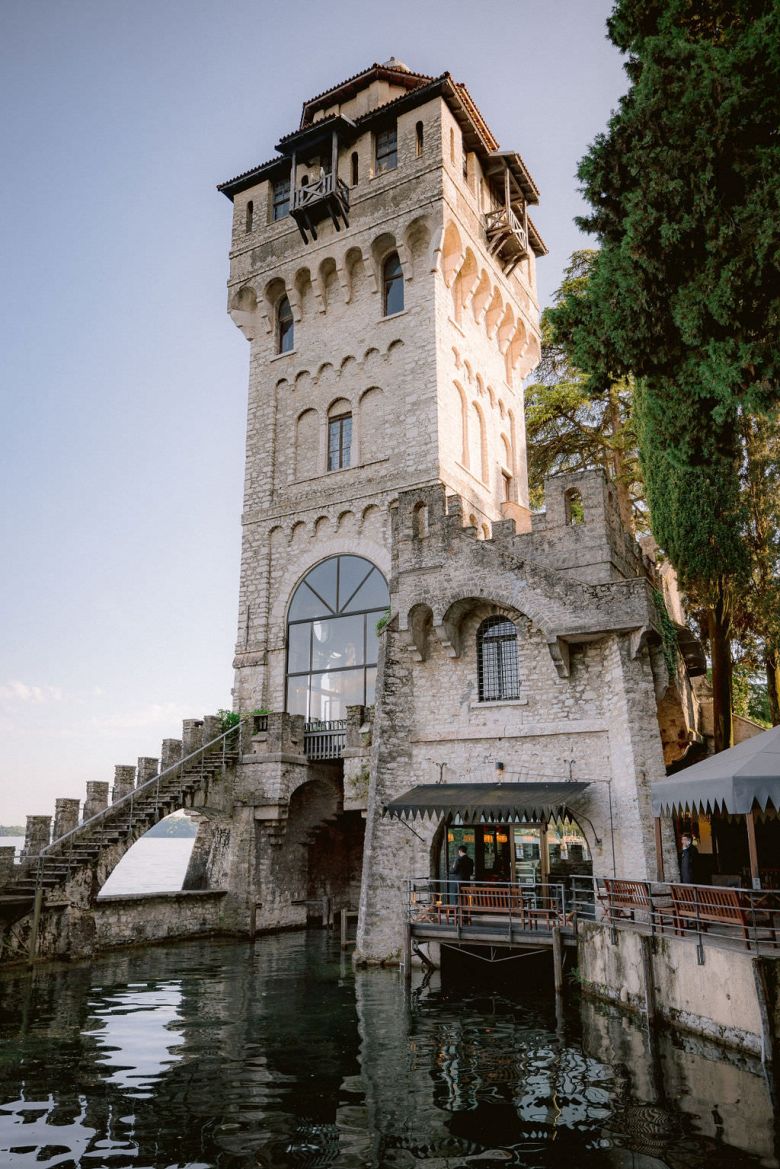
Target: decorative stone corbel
x=449, y=638
x=638, y=640
x=559, y=652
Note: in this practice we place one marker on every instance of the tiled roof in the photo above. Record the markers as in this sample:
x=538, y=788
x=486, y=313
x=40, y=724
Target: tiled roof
x=375, y=67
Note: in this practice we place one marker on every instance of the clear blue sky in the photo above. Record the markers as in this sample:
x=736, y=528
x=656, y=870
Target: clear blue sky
x=123, y=380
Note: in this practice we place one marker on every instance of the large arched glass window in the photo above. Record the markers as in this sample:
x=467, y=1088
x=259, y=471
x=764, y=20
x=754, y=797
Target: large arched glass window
x=393, y=285
x=285, y=327
x=332, y=640
x=498, y=676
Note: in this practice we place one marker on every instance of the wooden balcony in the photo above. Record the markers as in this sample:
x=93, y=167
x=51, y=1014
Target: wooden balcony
x=507, y=237
x=311, y=203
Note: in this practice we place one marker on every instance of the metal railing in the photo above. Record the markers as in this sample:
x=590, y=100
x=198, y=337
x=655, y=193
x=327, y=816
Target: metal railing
x=720, y=915
x=324, y=739
x=127, y=804
x=488, y=907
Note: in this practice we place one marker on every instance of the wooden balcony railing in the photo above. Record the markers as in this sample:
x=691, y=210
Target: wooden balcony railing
x=507, y=238
x=327, y=197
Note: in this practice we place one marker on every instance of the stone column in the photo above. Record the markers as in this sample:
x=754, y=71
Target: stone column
x=191, y=735
x=7, y=855
x=66, y=817
x=124, y=781
x=170, y=753
x=97, y=798
x=212, y=727
x=37, y=835
x=147, y=768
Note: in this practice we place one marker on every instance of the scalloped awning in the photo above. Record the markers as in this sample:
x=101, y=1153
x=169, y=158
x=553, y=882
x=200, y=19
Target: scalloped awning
x=488, y=801
x=731, y=781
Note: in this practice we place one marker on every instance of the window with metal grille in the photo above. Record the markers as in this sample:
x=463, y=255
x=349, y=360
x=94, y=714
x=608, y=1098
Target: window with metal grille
x=339, y=441
x=281, y=198
x=386, y=150
x=497, y=665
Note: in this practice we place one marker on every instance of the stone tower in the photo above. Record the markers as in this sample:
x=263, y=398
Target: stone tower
x=383, y=270
x=404, y=621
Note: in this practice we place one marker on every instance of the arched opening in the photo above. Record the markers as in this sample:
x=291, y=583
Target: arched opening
x=339, y=435
x=420, y=525
x=285, y=327
x=419, y=139
x=525, y=852
x=250, y=213
x=332, y=639
x=392, y=285
x=160, y=861
x=355, y=164
x=575, y=512
x=498, y=670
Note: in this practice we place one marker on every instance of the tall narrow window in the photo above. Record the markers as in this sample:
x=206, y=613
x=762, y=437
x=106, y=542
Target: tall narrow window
x=285, y=327
x=465, y=163
x=452, y=146
x=355, y=168
x=386, y=157
x=506, y=486
x=497, y=667
x=392, y=285
x=339, y=441
x=250, y=214
x=281, y=198
x=419, y=139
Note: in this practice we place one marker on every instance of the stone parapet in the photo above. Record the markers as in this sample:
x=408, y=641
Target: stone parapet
x=7, y=863
x=97, y=798
x=66, y=817
x=124, y=781
x=147, y=769
x=37, y=835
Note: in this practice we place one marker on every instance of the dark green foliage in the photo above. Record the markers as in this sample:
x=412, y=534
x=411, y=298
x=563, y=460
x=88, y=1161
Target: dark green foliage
x=686, y=204
x=572, y=424
x=668, y=633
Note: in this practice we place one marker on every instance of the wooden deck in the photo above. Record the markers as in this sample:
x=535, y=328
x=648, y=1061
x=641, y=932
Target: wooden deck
x=484, y=930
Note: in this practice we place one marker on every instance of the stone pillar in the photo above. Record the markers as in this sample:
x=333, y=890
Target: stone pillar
x=7, y=855
x=37, y=835
x=147, y=769
x=191, y=735
x=170, y=753
x=212, y=727
x=66, y=817
x=97, y=798
x=124, y=781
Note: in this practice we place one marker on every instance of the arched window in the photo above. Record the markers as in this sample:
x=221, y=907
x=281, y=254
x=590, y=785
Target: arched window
x=285, y=327
x=392, y=285
x=575, y=512
x=250, y=214
x=497, y=666
x=355, y=168
x=419, y=139
x=339, y=441
x=332, y=640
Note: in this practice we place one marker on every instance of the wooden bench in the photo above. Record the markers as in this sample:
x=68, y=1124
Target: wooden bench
x=623, y=898
x=706, y=906
x=492, y=899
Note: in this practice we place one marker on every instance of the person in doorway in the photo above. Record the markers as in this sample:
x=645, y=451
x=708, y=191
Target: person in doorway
x=689, y=858
x=461, y=870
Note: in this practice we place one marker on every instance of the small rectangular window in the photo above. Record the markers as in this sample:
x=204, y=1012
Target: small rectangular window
x=419, y=139
x=506, y=486
x=339, y=442
x=386, y=146
x=281, y=198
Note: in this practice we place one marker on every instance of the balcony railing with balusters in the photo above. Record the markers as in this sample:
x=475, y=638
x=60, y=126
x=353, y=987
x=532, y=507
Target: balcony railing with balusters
x=325, y=739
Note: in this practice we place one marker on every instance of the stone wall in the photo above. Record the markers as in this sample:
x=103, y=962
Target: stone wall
x=717, y=999
x=138, y=919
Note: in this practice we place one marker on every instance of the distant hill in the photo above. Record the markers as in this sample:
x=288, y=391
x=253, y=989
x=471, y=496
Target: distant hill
x=11, y=830
x=174, y=826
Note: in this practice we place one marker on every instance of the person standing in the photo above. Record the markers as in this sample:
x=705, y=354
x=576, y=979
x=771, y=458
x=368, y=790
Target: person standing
x=461, y=870
x=689, y=858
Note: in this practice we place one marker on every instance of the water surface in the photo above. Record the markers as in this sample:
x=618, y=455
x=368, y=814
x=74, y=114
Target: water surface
x=230, y=1055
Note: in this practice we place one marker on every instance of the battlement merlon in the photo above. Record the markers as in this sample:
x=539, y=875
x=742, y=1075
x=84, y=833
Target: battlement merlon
x=444, y=572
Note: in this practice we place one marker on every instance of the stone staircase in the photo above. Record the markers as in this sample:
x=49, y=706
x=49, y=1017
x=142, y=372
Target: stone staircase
x=133, y=814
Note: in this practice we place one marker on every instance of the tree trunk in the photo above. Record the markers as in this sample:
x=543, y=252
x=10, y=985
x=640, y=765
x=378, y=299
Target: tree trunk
x=719, y=624
x=619, y=463
x=772, y=665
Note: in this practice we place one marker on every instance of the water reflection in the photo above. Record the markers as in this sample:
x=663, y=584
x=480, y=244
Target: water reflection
x=227, y=1055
